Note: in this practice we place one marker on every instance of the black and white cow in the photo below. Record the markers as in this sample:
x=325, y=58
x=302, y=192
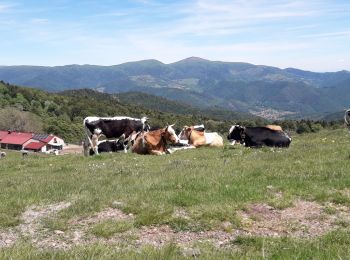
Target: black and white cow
x=258, y=136
x=119, y=128
x=347, y=118
x=107, y=146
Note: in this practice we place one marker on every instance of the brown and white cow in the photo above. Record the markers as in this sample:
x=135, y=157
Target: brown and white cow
x=155, y=142
x=274, y=127
x=200, y=138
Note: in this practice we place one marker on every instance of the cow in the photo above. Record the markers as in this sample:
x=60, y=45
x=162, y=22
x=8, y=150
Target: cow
x=120, y=128
x=2, y=154
x=107, y=146
x=155, y=142
x=258, y=136
x=347, y=118
x=197, y=138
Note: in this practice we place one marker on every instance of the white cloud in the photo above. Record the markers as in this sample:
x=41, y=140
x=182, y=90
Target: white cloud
x=5, y=7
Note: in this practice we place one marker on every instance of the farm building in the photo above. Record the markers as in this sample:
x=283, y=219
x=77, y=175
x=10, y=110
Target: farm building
x=14, y=140
x=30, y=141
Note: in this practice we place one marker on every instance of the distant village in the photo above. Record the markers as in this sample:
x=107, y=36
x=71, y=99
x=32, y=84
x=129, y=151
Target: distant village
x=31, y=142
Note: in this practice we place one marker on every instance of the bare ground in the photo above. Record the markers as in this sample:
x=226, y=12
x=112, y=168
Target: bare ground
x=303, y=220
x=72, y=149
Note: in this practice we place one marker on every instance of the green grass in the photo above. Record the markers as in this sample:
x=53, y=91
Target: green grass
x=110, y=227
x=210, y=184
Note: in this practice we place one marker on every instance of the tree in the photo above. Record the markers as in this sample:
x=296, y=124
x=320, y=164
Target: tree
x=13, y=119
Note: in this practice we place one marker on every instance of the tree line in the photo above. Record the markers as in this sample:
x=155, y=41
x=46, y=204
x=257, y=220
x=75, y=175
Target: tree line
x=62, y=114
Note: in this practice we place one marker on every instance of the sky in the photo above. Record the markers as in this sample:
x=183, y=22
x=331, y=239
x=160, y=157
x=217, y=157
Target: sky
x=312, y=35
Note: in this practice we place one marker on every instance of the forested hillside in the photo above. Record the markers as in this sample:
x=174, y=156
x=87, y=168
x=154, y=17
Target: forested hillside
x=62, y=114
x=27, y=109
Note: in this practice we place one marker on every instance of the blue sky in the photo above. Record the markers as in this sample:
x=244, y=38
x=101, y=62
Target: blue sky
x=312, y=35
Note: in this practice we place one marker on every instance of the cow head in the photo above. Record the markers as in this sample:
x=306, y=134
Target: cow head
x=145, y=126
x=170, y=135
x=185, y=132
x=236, y=133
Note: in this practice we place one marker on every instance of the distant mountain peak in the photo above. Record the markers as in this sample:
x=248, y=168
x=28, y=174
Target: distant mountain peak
x=193, y=59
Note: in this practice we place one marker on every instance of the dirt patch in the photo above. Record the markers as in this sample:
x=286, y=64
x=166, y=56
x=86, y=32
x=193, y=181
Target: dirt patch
x=304, y=219
x=108, y=213
x=159, y=236
x=8, y=238
x=72, y=149
x=31, y=224
x=78, y=231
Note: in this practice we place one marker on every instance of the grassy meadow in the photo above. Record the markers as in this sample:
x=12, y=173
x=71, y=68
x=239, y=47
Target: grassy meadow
x=208, y=186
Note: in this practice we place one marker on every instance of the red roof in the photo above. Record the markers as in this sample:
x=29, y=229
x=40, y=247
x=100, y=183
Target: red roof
x=43, y=137
x=3, y=134
x=16, y=138
x=34, y=145
x=48, y=139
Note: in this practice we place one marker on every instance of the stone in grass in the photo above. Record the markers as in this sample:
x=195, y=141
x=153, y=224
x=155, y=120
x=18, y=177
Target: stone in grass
x=191, y=252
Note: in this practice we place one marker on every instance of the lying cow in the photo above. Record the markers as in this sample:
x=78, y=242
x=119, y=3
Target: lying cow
x=119, y=128
x=200, y=138
x=347, y=118
x=107, y=146
x=258, y=136
x=155, y=142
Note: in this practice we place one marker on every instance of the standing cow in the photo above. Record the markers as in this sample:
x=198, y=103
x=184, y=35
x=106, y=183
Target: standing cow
x=120, y=128
x=258, y=136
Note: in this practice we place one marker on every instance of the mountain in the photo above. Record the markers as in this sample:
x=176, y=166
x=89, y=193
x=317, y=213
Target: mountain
x=266, y=91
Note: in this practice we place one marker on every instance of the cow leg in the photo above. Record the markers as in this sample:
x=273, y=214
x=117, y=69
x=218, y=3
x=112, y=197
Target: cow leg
x=155, y=152
x=94, y=141
x=233, y=142
x=174, y=149
x=125, y=142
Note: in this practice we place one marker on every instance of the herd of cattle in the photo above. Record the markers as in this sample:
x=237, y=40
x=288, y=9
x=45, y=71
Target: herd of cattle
x=121, y=133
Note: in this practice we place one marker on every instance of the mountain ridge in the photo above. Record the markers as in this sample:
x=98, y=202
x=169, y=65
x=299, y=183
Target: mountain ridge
x=201, y=83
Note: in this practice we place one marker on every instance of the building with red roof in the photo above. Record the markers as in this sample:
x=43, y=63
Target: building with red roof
x=15, y=140
x=29, y=141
